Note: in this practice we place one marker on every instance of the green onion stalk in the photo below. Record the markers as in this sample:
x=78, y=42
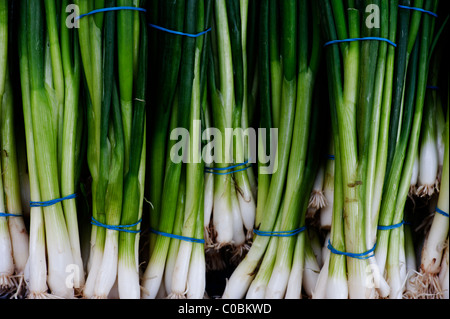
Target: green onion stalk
x=389, y=243
x=266, y=273
x=50, y=89
x=427, y=182
x=169, y=268
x=14, y=237
x=111, y=46
x=433, y=259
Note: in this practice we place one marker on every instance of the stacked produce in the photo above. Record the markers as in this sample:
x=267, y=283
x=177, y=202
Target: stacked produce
x=234, y=149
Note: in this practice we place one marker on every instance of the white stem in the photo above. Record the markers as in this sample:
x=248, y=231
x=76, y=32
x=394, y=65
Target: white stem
x=6, y=258
x=128, y=279
x=180, y=273
x=107, y=273
x=402, y=261
x=415, y=174
x=20, y=243
x=37, y=264
x=170, y=265
x=429, y=163
x=310, y=275
x=300, y=270
x=153, y=276
x=223, y=218
x=379, y=281
x=359, y=279
x=59, y=253
x=95, y=262
x=237, y=285
x=92, y=249
x=326, y=212
x=276, y=288
x=278, y=282
x=320, y=290
x=238, y=226
x=247, y=208
x=336, y=286
x=257, y=289
x=395, y=282
x=197, y=270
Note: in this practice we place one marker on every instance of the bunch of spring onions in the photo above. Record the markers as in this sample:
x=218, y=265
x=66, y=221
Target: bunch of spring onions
x=376, y=123
x=230, y=200
x=50, y=82
x=13, y=233
x=273, y=267
x=114, y=49
x=176, y=266
x=432, y=279
x=427, y=170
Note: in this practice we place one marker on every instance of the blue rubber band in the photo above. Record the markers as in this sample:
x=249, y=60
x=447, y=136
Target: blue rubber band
x=440, y=211
x=117, y=227
x=178, y=32
x=360, y=39
x=110, y=9
x=9, y=215
x=331, y=157
x=392, y=226
x=419, y=9
x=214, y=171
x=366, y=255
x=287, y=233
x=52, y=202
x=227, y=168
x=431, y=87
x=188, y=239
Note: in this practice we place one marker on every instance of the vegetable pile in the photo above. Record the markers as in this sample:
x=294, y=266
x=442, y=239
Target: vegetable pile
x=234, y=149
